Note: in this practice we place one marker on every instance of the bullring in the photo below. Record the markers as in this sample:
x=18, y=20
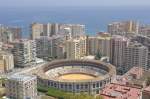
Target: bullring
x=76, y=76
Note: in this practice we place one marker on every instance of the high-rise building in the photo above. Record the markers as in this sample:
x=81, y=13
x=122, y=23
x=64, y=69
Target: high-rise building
x=75, y=48
x=21, y=86
x=16, y=31
x=55, y=27
x=117, y=48
x=144, y=30
x=99, y=44
x=93, y=45
x=121, y=28
x=44, y=47
x=24, y=52
x=36, y=30
x=77, y=30
x=6, y=62
x=9, y=34
x=135, y=54
x=49, y=47
x=105, y=46
x=144, y=40
x=51, y=29
x=66, y=31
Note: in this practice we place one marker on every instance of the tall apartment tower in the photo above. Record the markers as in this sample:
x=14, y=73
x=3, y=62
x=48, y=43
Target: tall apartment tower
x=121, y=28
x=44, y=47
x=99, y=44
x=93, y=45
x=9, y=34
x=54, y=29
x=75, y=48
x=144, y=40
x=24, y=52
x=135, y=54
x=51, y=29
x=77, y=30
x=21, y=86
x=117, y=48
x=36, y=30
x=49, y=47
x=66, y=31
x=6, y=62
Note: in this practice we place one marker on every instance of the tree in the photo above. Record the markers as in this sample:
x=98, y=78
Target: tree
x=148, y=81
x=3, y=81
x=98, y=55
x=99, y=97
x=60, y=94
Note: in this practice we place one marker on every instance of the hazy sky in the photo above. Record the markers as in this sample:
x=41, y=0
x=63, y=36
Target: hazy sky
x=74, y=3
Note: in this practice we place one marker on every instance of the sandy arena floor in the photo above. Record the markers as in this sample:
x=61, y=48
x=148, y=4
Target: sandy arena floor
x=76, y=77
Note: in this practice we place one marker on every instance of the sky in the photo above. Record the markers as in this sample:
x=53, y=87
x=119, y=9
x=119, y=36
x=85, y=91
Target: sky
x=18, y=3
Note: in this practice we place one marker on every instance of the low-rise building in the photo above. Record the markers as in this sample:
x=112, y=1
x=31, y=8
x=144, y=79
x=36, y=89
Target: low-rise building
x=146, y=93
x=21, y=87
x=118, y=91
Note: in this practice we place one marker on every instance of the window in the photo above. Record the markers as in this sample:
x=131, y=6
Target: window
x=97, y=85
x=77, y=86
x=93, y=85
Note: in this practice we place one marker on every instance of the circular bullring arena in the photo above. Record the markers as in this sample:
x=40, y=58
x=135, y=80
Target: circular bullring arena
x=76, y=76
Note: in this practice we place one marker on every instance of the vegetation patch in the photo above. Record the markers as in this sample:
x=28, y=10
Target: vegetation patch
x=59, y=94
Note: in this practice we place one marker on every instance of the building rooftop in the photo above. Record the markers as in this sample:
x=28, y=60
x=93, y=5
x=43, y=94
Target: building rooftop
x=147, y=89
x=136, y=44
x=21, y=77
x=88, y=57
x=4, y=53
x=20, y=41
x=117, y=91
x=136, y=76
x=119, y=38
x=137, y=72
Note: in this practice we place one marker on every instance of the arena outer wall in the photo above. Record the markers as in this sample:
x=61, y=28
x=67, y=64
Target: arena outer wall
x=92, y=86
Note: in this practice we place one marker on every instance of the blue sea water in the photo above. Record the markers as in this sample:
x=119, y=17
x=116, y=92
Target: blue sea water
x=95, y=18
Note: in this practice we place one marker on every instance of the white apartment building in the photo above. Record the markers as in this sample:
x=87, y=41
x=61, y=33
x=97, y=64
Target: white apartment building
x=135, y=54
x=21, y=86
x=24, y=52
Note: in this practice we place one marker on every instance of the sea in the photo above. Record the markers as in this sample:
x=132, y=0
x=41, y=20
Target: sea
x=95, y=19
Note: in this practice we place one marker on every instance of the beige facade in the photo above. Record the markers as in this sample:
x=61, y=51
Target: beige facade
x=123, y=27
x=75, y=48
x=36, y=30
x=6, y=62
x=51, y=29
x=117, y=48
x=99, y=44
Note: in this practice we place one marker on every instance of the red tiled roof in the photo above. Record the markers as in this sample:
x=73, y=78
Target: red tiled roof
x=117, y=91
